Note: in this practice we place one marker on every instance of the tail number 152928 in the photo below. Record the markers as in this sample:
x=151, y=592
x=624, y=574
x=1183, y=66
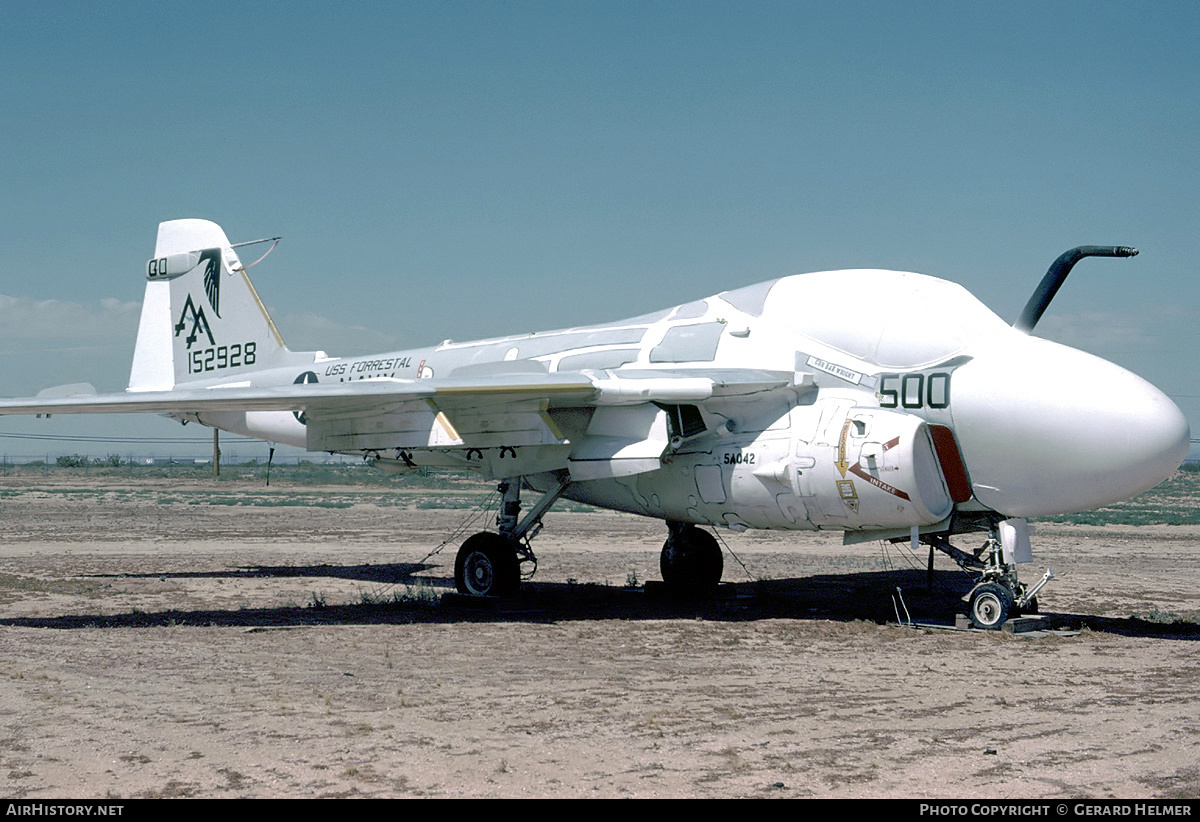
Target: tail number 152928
x=222, y=356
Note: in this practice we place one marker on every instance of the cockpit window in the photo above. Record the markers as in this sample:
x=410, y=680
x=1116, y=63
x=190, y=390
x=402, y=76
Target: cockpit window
x=893, y=319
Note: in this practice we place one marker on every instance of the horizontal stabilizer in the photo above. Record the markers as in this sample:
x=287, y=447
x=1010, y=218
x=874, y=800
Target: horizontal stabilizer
x=75, y=389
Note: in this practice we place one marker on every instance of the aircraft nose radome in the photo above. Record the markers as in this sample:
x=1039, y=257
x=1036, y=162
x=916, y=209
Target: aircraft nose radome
x=1045, y=429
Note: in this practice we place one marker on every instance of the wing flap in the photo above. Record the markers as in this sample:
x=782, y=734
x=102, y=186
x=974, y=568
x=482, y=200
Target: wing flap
x=429, y=424
x=407, y=425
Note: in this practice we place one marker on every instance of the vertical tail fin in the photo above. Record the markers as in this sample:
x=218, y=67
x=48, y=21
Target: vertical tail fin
x=201, y=317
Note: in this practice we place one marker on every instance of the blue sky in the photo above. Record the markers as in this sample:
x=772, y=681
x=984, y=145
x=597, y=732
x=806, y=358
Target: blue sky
x=464, y=169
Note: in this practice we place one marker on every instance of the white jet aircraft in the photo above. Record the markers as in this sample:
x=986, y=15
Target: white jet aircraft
x=887, y=405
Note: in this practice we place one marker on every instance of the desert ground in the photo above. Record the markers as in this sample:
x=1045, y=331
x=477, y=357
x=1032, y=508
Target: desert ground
x=184, y=638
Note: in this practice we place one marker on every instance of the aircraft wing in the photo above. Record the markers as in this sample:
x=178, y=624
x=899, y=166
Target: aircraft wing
x=501, y=408
x=573, y=388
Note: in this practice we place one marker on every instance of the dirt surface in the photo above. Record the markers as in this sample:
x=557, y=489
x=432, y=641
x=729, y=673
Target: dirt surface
x=183, y=641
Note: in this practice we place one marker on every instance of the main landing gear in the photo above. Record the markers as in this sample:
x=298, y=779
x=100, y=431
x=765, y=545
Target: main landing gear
x=489, y=564
x=998, y=595
x=691, y=559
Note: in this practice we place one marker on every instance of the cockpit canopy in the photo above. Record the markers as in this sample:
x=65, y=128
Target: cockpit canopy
x=893, y=319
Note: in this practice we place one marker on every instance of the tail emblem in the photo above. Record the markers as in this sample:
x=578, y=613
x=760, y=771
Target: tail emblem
x=210, y=259
x=198, y=320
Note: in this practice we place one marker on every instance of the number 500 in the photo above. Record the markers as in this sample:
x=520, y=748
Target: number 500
x=914, y=390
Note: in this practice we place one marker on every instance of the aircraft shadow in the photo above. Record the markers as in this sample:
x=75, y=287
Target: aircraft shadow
x=380, y=574
x=401, y=597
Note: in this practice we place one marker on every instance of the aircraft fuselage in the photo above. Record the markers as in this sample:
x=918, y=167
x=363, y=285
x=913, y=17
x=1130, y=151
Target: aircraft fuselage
x=909, y=401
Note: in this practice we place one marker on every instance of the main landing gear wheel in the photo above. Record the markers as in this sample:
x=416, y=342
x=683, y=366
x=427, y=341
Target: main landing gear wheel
x=691, y=559
x=486, y=566
x=990, y=606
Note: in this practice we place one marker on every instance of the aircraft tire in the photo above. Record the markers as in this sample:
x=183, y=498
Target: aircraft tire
x=486, y=566
x=991, y=604
x=691, y=558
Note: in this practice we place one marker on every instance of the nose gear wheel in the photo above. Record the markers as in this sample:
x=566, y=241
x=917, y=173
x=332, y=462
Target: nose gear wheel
x=991, y=604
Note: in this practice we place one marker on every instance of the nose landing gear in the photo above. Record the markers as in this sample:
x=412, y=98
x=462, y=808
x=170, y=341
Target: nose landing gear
x=991, y=604
x=999, y=594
